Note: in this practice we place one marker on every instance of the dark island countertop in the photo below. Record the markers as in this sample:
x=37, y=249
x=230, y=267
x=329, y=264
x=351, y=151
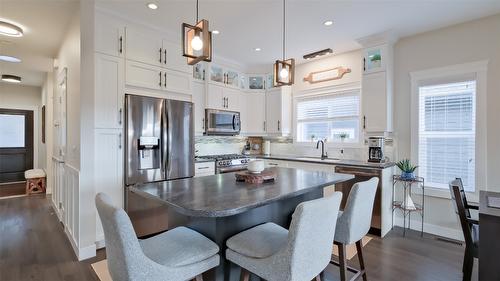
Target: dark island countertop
x=329, y=161
x=221, y=195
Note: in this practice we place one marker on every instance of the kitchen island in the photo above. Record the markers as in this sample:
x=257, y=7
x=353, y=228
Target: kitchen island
x=219, y=207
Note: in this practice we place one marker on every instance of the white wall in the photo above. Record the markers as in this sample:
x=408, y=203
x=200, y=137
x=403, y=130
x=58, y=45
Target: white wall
x=468, y=42
x=13, y=96
x=47, y=100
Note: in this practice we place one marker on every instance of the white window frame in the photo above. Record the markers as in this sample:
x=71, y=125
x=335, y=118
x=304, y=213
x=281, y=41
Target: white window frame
x=443, y=75
x=346, y=88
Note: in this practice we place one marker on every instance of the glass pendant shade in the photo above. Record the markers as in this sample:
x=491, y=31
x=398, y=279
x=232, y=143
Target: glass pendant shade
x=197, y=42
x=283, y=72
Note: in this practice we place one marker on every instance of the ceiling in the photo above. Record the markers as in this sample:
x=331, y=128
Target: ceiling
x=247, y=24
x=44, y=23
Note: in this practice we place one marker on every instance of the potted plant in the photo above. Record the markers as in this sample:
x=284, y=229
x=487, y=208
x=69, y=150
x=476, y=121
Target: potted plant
x=407, y=169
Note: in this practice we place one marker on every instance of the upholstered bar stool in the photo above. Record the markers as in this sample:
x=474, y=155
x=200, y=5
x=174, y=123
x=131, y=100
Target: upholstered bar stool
x=354, y=223
x=301, y=253
x=175, y=255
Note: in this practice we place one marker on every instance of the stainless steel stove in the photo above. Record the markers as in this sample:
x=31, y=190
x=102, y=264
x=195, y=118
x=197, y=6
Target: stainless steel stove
x=226, y=163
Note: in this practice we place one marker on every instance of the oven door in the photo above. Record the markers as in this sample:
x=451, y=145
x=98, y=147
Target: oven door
x=221, y=122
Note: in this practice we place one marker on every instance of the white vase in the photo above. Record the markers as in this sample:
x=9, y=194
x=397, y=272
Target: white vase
x=409, y=203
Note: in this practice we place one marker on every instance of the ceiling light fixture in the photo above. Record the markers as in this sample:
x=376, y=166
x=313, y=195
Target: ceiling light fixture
x=9, y=58
x=10, y=29
x=11, y=78
x=197, y=41
x=284, y=70
x=328, y=23
x=257, y=49
x=152, y=6
x=318, y=54
x=215, y=32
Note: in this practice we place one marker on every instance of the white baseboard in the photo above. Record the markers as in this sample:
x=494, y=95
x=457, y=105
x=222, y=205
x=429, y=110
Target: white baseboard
x=432, y=229
x=81, y=253
x=100, y=243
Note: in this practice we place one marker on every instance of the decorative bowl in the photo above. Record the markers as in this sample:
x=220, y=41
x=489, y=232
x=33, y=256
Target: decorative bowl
x=256, y=166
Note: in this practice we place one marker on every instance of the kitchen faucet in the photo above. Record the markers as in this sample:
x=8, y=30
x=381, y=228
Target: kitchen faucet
x=324, y=154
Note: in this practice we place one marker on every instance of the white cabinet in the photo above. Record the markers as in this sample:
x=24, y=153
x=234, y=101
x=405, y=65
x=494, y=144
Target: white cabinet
x=144, y=46
x=108, y=168
x=198, y=98
x=174, y=57
x=109, y=36
x=176, y=81
x=109, y=91
x=254, y=117
x=234, y=99
x=269, y=163
x=224, y=98
x=278, y=111
x=204, y=169
x=377, y=103
x=143, y=75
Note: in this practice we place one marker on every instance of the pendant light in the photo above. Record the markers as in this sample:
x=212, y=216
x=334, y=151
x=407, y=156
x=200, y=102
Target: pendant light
x=284, y=70
x=9, y=29
x=197, y=41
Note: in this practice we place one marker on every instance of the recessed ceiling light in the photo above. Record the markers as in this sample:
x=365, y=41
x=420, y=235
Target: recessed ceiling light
x=9, y=58
x=11, y=78
x=328, y=23
x=152, y=6
x=257, y=49
x=10, y=29
x=215, y=32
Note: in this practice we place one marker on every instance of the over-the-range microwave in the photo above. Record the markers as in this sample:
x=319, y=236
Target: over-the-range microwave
x=222, y=122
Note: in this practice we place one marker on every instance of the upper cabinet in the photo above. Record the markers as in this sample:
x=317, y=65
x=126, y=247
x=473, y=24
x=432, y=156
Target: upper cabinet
x=279, y=111
x=146, y=47
x=253, y=119
x=108, y=91
x=110, y=36
x=224, y=98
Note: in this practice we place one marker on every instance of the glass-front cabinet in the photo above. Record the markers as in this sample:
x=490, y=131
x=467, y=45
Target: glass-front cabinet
x=375, y=59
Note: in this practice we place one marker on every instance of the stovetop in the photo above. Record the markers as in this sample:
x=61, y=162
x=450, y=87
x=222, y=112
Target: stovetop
x=228, y=160
x=224, y=157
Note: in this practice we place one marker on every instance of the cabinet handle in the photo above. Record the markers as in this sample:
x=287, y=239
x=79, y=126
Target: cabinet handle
x=120, y=116
x=165, y=56
x=203, y=123
x=121, y=45
x=273, y=164
x=203, y=74
x=165, y=80
x=364, y=64
x=279, y=125
x=120, y=141
x=224, y=102
x=160, y=54
x=264, y=126
x=364, y=122
x=227, y=102
x=202, y=168
x=160, y=80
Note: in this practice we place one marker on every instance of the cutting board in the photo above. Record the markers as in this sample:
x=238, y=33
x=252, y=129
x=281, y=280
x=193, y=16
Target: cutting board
x=264, y=176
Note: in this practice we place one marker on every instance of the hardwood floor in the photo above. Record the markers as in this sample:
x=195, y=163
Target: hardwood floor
x=12, y=189
x=33, y=246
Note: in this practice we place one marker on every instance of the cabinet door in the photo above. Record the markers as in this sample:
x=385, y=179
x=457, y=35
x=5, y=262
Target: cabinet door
x=255, y=113
x=374, y=99
x=109, y=36
x=199, y=107
x=177, y=82
x=215, y=97
x=273, y=112
x=143, y=46
x=174, y=59
x=108, y=91
x=234, y=99
x=275, y=163
x=108, y=168
x=144, y=75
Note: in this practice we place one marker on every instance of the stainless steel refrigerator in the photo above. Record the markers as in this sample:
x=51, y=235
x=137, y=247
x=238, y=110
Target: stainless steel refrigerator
x=159, y=146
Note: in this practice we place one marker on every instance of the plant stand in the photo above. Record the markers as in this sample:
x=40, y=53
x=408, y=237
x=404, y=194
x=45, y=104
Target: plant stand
x=403, y=205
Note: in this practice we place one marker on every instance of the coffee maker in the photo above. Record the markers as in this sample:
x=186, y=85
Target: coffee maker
x=376, y=149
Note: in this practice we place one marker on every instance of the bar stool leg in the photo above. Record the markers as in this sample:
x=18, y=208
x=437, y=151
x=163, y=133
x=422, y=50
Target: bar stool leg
x=245, y=275
x=342, y=262
x=359, y=249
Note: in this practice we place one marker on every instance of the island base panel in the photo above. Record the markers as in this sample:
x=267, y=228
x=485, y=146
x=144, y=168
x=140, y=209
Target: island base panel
x=219, y=229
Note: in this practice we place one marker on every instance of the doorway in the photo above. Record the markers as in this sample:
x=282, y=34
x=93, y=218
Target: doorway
x=16, y=149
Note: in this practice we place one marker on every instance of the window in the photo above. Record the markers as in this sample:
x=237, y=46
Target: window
x=446, y=133
x=11, y=130
x=334, y=117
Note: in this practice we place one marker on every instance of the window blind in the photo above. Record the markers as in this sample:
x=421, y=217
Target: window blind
x=334, y=117
x=447, y=125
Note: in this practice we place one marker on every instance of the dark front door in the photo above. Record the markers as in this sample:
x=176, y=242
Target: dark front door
x=16, y=144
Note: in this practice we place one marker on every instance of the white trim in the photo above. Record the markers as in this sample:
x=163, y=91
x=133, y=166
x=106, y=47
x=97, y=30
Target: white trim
x=36, y=126
x=478, y=68
x=447, y=232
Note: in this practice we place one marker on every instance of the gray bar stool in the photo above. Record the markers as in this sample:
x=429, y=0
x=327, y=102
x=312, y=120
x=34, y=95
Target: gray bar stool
x=178, y=254
x=354, y=223
x=276, y=254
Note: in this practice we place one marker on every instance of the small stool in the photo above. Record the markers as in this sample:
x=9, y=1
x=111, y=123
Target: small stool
x=35, y=181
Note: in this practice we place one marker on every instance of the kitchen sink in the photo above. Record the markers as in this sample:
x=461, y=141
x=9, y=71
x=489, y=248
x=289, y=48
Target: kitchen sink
x=317, y=159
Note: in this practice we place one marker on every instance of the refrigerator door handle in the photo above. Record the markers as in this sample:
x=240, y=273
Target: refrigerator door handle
x=234, y=121
x=164, y=139
x=169, y=137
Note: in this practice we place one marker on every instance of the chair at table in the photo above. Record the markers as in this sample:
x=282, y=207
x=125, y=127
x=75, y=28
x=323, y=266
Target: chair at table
x=354, y=223
x=298, y=254
x=178, y=254
x=470, y=227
